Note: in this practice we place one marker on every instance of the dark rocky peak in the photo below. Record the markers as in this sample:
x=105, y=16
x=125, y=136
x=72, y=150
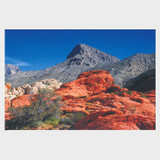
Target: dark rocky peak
x=79, y=49
x=85, y=50
x=84, y=54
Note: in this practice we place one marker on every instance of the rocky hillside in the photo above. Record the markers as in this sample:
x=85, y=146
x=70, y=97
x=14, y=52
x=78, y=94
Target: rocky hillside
x=82, y=58
x=11, y=69
x=129, y=68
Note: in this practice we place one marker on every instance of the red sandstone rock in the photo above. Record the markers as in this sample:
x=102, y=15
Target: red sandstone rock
x=8, y=86
x=88, y=83
x=114, y=120
x=95, y=91
x=7, y=104
x=22, y=101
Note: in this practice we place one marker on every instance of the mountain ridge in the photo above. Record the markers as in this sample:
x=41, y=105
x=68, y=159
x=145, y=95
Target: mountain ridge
x=129, y=67
x=81, y=58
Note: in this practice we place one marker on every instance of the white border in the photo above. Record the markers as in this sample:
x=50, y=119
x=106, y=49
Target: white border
x=79, y=144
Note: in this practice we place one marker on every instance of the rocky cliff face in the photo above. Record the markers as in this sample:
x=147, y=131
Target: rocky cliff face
x=82, y=58
x=129, y=68
x=11, y=70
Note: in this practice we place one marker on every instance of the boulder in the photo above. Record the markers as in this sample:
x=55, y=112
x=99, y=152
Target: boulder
x=87, y=83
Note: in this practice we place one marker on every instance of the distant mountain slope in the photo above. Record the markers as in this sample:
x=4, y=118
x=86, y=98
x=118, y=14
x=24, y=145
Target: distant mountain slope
x=11, y=69
x=129, y=68
x=82, y=58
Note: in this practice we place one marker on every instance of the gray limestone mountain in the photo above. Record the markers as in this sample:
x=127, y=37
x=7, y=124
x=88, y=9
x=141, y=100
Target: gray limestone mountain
x=82, y=58
x=11, y=69
x=129, y=68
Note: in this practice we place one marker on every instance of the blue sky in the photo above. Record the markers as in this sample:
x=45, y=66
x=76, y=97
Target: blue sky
x=40, y=49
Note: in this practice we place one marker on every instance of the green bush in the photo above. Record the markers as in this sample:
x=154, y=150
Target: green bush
x=72, y=118
x=36, y=124
x=53, y=121
x=88, y=103
x=121, y=92
x=41, y=110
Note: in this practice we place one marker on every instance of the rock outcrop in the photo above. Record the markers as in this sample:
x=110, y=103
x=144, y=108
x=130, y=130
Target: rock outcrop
x=43, y=84
x=87, y=83
x=11, y=93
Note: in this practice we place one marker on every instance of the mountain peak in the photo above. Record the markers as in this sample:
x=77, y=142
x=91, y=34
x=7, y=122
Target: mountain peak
x=79, y=49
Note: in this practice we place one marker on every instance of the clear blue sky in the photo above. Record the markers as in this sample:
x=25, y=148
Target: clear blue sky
x=40, y=49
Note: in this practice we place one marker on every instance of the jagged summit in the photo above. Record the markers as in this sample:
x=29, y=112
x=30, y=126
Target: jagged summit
x=83, y=54
x=83, y=49
x=80, y=49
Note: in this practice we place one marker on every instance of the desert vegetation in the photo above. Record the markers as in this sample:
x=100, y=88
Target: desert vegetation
x=44, y=110
x=41, y=109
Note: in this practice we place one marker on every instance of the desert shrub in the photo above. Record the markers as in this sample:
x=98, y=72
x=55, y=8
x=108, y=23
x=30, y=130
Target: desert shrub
x=129, y=92
x=88, y=103
x=116, y=93
x=72, y=118
x=123, y=91
x=36, y=124
x=41, y=110
x=53, y=121
x=66, y=121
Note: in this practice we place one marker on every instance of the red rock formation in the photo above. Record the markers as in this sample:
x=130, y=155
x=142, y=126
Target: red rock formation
x=114, y=120
x=78, y=97
x=88, y=83
x=8, y=86
x=94, y=93
x=22, y=101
